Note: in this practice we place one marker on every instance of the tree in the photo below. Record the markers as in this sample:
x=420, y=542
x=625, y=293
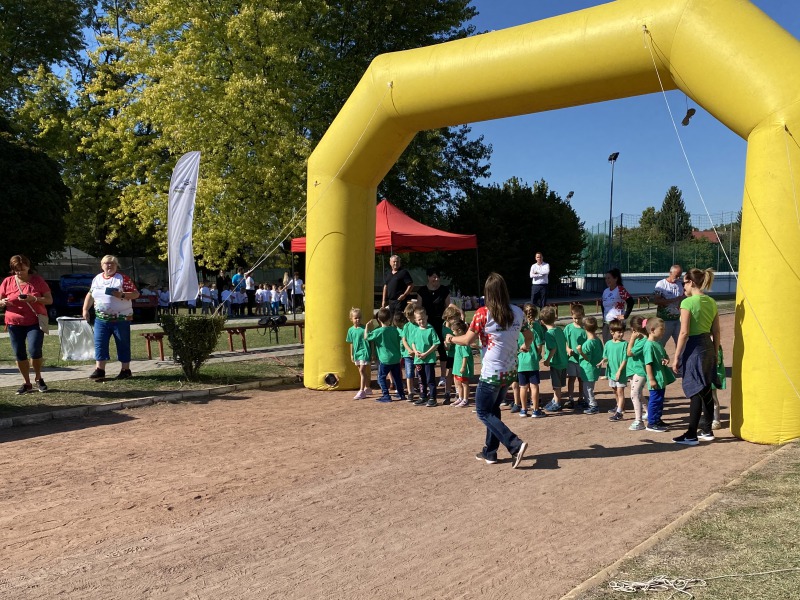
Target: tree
x=513, y=222
x=34, y=200
x=673, y=220
x=38, y=32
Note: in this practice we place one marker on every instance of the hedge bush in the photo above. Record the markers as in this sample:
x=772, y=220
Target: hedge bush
x=192, y=339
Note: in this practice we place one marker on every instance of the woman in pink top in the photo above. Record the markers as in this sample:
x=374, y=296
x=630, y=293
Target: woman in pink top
x=25, y=295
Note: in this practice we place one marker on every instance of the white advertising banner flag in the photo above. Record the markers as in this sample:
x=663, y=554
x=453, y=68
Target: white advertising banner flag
x=182, y=192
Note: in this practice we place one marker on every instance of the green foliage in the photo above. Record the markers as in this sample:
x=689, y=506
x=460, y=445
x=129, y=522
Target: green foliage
x=37, y=32
x=673, y=220
x=513, y=222
x=34, y=200
x=192, y=339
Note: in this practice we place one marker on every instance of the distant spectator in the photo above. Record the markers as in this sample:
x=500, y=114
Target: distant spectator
x=540, y=276
x=398, y=286
x=668, y=296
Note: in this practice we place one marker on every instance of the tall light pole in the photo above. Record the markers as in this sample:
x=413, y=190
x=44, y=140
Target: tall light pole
x=612, y=159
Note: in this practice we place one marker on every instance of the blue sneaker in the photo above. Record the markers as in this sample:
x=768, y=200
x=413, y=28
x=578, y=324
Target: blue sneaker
x=616, y=416
x=384, y=399
x=523, y=413
x=637, y=426
x=553, y=406
x=592, y=410
x=515, y=408
x=538, y=414
x=657, y=428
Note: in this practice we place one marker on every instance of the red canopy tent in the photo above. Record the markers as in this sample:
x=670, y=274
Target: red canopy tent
x=395, y=231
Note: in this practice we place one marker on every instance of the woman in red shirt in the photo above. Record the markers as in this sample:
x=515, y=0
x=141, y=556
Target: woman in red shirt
x=25, y=295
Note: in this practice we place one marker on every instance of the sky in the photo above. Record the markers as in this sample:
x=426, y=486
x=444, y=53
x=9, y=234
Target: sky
x=569, y=148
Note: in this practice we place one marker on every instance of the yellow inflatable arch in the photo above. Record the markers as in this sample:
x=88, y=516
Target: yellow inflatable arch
x=727, y=55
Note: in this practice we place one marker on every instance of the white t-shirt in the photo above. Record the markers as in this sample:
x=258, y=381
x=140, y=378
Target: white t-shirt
x=250, y=283
x=614, y=304
x=669, y=291
x=110, y=304
x=499, y=359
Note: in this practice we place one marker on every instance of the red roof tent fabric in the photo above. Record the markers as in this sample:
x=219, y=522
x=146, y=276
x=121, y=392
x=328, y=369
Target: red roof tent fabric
x=395, y=231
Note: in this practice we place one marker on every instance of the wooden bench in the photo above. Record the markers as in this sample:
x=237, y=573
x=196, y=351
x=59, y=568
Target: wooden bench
x=154, y=337
x=241, y=330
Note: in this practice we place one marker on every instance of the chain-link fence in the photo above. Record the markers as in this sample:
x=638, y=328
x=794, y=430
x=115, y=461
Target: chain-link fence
x=642, y=249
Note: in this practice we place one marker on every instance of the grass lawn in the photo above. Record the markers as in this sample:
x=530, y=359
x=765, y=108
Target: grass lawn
x=754, y=528
x=52, y=354
x=81, y=392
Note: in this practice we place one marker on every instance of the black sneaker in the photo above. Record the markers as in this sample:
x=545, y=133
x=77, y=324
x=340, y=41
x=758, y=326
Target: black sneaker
x=98, y=374
x=569, y=404
x=446, y=400
x=124, y=374
x=515, y=408
x=41, y=385
x=431, y=403
x=24, y=389
x=686, y=441
x=420, y=401
x=705, y=436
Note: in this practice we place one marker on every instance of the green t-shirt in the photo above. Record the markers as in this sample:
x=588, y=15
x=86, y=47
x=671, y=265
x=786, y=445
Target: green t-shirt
x=575, y=337
x=405, y=334
x=527, y=361
x=463, y=352
x=387, y=344
x=593, y=349
x=451, y=351
x=703, y=309
x=616, y=353
x=423, y=340
x=355, y=336
x=654, y=354
x=636, y=361
x=538, y=338
x=554, y=338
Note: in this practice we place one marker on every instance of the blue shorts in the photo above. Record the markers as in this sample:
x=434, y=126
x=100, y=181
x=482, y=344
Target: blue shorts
x=408, y=361
x=573, y=369
x=557, y=378
x=528, y=378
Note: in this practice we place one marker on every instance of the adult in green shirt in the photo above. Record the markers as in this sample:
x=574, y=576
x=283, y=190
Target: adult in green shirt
x=696, y=354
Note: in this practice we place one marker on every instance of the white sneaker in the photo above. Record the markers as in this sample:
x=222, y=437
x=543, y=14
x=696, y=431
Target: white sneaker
x=360, y=395
x=716, y=425
x=442, y=382
x=367, y=392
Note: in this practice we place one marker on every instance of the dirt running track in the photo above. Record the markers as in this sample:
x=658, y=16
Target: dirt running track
x=296, y=494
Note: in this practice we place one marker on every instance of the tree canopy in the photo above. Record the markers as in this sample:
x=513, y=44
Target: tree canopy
x=253, y=85
x=34, y=200
x=513, y=222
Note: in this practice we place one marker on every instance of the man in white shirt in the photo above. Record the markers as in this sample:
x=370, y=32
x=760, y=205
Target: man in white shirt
x=667, y=298
x=250, y=290
x=540, y=272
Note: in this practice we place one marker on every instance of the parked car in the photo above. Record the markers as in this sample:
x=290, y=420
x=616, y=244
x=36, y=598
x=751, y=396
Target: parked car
x=69, y=292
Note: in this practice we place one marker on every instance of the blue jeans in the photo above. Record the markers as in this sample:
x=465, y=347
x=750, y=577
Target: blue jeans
x=20, y=335
x=426, y=379
x=488, y=397
x=121, y=330
x=655, y=407
x=397, y=377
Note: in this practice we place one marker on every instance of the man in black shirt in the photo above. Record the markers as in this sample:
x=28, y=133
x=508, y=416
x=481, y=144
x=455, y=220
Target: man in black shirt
x=398, y=285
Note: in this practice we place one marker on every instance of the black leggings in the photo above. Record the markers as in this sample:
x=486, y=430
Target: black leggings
x=701, y=412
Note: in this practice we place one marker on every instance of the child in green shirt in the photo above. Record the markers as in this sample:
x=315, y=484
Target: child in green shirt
x=591, y=355
x=615, y=360
x=387, y=344
x=425, y=343
x=575, y=336
x=556, y=344
x=359, y=353
x=463, y=366
x=659, y=374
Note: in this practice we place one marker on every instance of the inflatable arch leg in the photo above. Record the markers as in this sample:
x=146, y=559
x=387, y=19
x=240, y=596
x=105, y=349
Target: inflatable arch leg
x=725, y=54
